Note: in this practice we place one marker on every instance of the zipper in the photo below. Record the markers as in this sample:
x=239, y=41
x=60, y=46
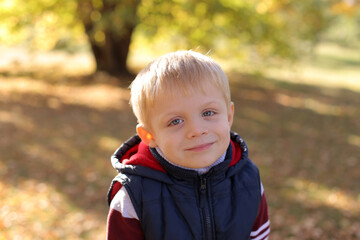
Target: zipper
x=205, y=208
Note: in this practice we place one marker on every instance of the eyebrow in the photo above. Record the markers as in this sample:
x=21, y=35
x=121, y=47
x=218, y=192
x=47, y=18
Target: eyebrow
x=205, y=105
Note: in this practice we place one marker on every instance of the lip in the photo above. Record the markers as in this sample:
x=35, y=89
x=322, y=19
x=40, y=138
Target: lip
x=201, y=147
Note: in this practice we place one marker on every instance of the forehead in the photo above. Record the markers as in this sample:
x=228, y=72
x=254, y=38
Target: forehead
x=187, y=90
x=192, y=97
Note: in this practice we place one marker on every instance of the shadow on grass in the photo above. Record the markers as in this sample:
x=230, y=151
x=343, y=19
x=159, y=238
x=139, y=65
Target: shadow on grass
x=68, y=147
x=52, y=135
x=293, y=132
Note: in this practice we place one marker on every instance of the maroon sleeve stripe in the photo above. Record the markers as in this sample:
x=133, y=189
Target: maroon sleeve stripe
x=261, y=227
x=119, y=227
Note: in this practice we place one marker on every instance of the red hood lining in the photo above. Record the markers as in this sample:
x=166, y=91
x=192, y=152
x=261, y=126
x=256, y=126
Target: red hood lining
x=142, y=157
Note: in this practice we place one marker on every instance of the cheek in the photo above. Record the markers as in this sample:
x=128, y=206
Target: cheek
x=224, y=132
x=170, y=151
x=223, y=127
x=168, y=144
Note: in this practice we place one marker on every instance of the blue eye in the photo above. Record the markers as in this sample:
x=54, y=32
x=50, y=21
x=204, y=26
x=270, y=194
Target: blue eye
x=175, y=122
x=208, y=113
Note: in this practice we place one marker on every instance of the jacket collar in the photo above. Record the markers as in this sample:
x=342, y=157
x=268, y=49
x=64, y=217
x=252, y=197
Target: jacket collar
x=183, y=173
x=134, y=153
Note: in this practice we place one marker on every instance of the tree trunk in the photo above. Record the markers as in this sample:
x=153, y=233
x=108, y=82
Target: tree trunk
x=111, y=54
x=111, y=57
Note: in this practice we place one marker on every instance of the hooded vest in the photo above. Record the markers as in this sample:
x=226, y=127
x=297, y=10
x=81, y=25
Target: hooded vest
x=175, y=203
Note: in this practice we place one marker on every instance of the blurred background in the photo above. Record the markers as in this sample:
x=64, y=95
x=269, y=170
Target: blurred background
x=65, y=67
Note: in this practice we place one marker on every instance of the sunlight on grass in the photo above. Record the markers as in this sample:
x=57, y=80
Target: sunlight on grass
x=354, y=140
x=332, y=66
x=19, y=59
x=37, y=209
x=100, y=96
x=314, y=105
x=322, y=78
x=338, y=52
x=17, y=119
x=310, y=192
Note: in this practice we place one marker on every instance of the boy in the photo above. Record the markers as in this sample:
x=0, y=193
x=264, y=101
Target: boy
x=185, y=175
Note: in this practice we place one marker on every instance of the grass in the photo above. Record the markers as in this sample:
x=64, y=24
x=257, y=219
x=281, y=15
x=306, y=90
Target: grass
x=60, y=126
x=330, y=66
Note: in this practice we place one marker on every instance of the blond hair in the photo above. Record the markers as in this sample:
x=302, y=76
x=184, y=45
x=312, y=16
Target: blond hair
x=181, y=71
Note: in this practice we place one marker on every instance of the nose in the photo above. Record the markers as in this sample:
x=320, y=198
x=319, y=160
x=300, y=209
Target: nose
x=195, y=129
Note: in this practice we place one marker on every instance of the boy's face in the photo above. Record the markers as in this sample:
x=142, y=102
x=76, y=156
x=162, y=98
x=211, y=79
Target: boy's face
x=192, y=130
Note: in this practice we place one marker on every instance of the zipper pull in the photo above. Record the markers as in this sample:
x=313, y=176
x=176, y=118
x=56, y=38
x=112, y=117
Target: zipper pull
x=202, y=185
x=202, y=192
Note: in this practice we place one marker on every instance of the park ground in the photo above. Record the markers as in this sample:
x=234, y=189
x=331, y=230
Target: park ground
x=59, y=126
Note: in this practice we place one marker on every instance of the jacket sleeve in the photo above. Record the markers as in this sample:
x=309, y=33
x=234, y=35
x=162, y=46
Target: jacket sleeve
x=123, y=222
x=261, y=227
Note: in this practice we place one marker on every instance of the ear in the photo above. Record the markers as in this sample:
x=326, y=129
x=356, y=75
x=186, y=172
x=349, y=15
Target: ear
x=231, y=113
x=145, y=136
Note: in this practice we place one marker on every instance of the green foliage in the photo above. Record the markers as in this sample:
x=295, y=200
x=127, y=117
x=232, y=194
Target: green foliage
x=345, y=28
x=238, y=28
x=262, y=29
x=39, y=24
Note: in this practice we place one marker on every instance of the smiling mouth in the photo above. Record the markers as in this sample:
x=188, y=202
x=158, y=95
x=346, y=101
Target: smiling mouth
x=200, y=147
